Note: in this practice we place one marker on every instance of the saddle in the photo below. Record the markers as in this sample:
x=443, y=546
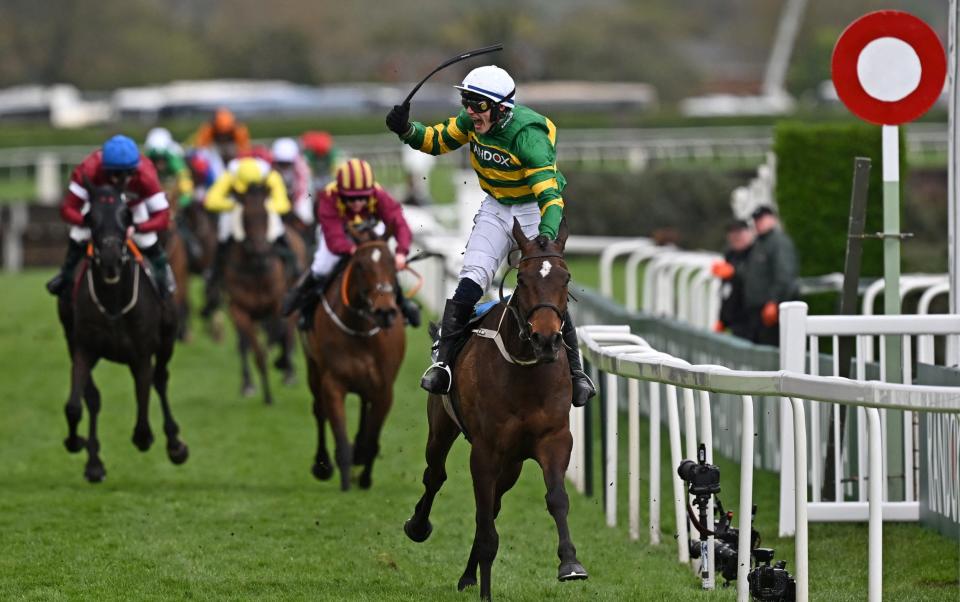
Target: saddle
x=451, y=401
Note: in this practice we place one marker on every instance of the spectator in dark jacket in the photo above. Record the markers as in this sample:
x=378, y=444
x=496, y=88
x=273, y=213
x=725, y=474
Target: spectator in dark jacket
x=733, y=314
x=769, y=276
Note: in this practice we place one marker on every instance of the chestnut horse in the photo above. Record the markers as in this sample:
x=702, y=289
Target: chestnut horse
x=514, y=404
x=356, y=346
x=117, y=314
x=256, y=282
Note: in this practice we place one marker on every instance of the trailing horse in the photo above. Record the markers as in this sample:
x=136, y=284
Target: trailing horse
x=356, y=345
x=256, y=282
x=511, y=398
x=117, y=313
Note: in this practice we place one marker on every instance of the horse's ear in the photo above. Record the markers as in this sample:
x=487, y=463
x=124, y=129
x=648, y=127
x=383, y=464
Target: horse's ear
x=87, y=183
x=562, y=233
x=518, y=234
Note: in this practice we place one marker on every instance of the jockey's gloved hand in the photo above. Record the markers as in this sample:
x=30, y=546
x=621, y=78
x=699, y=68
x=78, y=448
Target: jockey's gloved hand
x=398, y=119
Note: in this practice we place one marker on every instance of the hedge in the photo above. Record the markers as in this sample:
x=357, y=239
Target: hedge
x=814, y=185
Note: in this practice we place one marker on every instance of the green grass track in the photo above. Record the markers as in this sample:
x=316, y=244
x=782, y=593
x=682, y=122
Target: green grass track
x=244, y=519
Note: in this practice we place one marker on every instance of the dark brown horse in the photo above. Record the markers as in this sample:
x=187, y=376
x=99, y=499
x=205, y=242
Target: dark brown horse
x=356, y=346
x=176, y=250
x=191, y=246
x=116, y=314
x=256, y=282
x=514, y=405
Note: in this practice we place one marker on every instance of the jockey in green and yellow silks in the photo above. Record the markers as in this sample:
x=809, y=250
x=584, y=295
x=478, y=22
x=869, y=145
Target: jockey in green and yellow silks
x=513, y=151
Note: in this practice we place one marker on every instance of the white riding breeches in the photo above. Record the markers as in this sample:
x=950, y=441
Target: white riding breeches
x=324, y=260
x=140, y=214
x=230, y=225
x=491, y=239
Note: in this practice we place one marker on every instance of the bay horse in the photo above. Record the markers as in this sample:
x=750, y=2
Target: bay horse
x=191, y=244
x=256, y=282
x=116, y=313
x=356, y=345
x=513, y=403
x=176, y=249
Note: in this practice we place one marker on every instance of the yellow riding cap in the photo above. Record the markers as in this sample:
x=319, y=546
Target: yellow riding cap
x=249, y=173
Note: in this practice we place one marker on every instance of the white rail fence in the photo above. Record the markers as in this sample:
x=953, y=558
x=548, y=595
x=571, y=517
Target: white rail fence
x=801, y=334
x=616, y=352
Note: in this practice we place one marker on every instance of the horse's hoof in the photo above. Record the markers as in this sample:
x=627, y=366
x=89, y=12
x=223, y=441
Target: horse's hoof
x=321, y=471
x=248, y=391
x=268, y=400
x=74, y=444
x=465, y=582
x=95, y=473
x=418, y=535
x=571, y=571
x=290, y=380
x=142, y=440
x=178, y=454
x=365, y=481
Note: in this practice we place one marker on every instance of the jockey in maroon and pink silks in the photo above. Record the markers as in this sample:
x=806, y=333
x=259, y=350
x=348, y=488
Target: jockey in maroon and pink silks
x=354, y=197
x=118, y=163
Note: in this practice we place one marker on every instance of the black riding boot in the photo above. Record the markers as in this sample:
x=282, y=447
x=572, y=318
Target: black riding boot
x=60, y=284
x=161, y=269
x=307, y=288
x=282, y=248
x=437, y=378
x=583, y=388
x=190, y=243
x=408, y=307
x=215, y=279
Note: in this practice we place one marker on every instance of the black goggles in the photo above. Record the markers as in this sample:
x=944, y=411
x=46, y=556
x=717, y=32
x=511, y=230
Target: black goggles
x=479, y=104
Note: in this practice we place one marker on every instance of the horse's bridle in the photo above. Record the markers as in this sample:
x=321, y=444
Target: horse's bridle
x=380, y=287
x=526, y=328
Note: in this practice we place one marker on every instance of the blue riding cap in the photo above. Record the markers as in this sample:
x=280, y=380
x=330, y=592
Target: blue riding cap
x=120, y=152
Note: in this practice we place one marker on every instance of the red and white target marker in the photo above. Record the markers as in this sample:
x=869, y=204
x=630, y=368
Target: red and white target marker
x=888, y=67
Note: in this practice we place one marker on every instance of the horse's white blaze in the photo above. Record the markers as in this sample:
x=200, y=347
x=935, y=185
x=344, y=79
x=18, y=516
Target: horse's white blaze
x=375, y=256
x=545, y=268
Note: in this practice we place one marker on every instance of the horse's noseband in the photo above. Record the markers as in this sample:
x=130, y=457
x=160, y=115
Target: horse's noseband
x=124, y=251
x=526, y=328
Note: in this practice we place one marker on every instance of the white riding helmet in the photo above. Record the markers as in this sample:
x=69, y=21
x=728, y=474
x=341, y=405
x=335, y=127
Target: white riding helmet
x=492, y=82
x=285, y=150
x=159, y=139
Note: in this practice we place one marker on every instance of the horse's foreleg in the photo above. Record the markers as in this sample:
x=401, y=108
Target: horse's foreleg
x=369, y=437
x=79, y=375
x=506, y=481
x=177, y=450
x=333, y=405
x=359, y=441
x=322, y=466
x=443, y=432
x=94, y=470
x=247, y=338
x=289, y=341
x=484, y=468
x=142, y=377
x=553, y=455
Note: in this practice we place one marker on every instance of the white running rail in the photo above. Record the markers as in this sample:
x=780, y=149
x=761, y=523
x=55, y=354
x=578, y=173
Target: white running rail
x=616, y=352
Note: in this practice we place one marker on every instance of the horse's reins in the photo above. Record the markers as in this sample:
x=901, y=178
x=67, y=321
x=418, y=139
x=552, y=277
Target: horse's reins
x=522, y=323
x=93, y=254
x=381, y=287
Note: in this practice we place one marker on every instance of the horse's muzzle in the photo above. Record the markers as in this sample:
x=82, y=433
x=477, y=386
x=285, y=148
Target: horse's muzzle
x=546, y=347
x=384, y=317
